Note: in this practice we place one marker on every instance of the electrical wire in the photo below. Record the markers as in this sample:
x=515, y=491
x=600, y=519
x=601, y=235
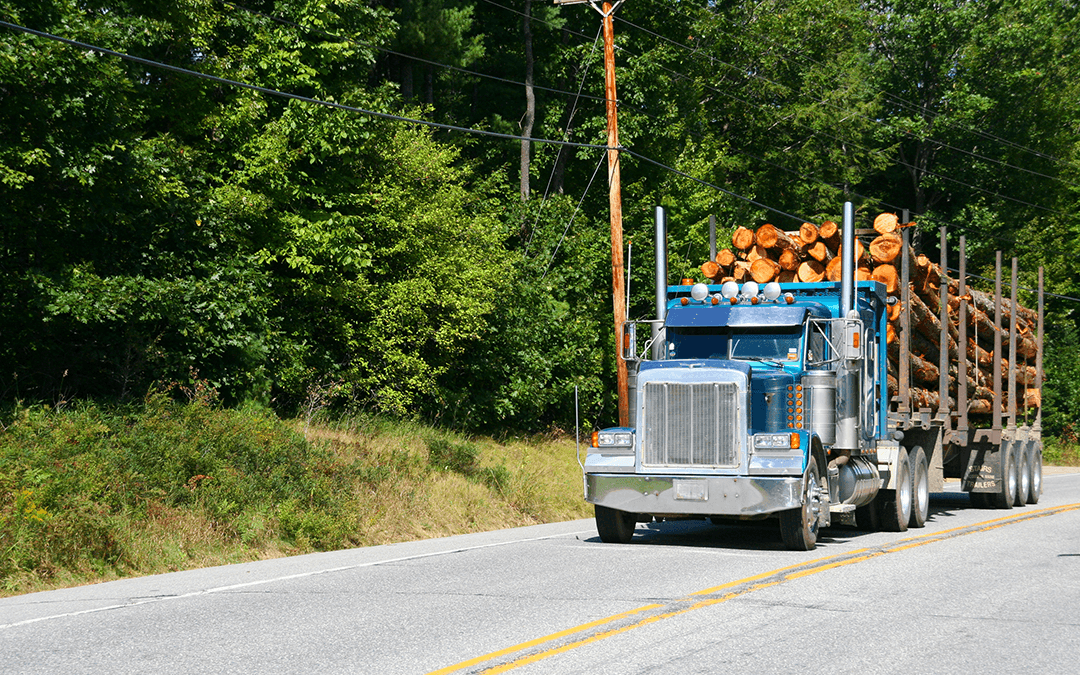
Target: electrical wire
x=291, y=96
x=743, y=31
x=566, y=136
x=573, y=215
x=942, y=144
x=893, y=97
x=339, y=38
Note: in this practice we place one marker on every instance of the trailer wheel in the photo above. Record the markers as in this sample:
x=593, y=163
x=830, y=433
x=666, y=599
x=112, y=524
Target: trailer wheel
x=1023, y=471
x=981, y=500
x=1036, y=477
x=896, y=504
x=614, y=527
x=1006, y=494
x=799, y=527
x=920, y=488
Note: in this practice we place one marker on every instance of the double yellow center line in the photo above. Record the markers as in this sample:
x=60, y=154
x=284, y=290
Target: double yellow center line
x=566, y=640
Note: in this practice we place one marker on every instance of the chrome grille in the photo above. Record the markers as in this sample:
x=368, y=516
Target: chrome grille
x=690, y=424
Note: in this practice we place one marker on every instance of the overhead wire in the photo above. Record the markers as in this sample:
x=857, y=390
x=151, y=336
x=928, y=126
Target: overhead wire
x=558, y=154
x=713, y=59
x=373, y=113
x=899, y=162
x=743, y=31
x=352, y=40
x=287, y=95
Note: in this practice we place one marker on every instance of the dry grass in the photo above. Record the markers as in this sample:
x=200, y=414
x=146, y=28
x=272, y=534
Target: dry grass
x=93, y=495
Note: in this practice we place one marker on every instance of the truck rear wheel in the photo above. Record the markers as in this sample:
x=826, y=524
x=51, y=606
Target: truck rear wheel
x=896, y=504
x=1006, y=494
x=920, y=488
x=799, y=527
x=614, y=527
x=1023, y=471
x=1036, y=476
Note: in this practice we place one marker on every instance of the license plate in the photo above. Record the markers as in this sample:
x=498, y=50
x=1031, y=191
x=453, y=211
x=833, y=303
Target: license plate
x=691, y=489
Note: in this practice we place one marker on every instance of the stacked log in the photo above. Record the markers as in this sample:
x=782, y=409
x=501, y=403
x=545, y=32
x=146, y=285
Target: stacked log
x=814, y=253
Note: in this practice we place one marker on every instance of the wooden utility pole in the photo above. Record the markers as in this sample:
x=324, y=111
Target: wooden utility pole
x=618, y=273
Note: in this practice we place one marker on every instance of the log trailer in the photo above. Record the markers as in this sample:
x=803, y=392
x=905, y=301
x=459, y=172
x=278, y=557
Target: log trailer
x=753, y=401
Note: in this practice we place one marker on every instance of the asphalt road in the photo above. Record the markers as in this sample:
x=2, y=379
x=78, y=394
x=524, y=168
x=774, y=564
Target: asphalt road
x=974, y=590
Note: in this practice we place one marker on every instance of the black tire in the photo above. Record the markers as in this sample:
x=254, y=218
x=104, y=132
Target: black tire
x=982, y=500
x=920, y=488
x=799, y=527
x=614, y=527
x=896, y=504
x=1036, y=476
x=1006, y=494
x=1023, y=478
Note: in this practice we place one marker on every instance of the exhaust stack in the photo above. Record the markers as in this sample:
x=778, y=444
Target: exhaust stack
x=849, y=372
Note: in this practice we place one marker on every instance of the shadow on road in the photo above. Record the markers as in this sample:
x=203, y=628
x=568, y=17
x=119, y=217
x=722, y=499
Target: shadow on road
x=764, y=535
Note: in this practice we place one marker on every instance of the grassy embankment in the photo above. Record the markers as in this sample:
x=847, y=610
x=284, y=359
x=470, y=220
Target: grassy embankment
x=89, y=494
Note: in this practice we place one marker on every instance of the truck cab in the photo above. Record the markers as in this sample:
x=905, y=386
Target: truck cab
x=748, y=403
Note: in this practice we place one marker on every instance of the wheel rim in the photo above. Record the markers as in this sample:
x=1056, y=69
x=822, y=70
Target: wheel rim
x=812, y=503
x=1025, y=482
x=903, y=492
x=922, y=491
x=1011, y=478
x=1036, y=475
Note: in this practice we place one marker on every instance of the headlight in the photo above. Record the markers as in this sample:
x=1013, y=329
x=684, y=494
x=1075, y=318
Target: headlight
x=613, y=439
x=777, y=441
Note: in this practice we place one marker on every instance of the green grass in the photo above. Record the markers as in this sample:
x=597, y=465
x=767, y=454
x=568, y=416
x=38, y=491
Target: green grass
x=90, y=493
x=1061, y=451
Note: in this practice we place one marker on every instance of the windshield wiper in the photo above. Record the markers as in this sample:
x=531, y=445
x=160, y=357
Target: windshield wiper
x=760, y=359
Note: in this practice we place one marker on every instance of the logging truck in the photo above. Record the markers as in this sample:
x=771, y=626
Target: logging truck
x=850, y=397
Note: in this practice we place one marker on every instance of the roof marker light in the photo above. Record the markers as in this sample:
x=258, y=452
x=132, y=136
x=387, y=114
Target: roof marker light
x=772, y=291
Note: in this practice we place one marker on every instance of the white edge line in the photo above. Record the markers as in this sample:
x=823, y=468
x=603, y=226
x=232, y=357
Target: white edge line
x=233, y=587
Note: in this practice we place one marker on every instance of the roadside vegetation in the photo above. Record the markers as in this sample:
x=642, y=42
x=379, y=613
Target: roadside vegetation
x=90, y=493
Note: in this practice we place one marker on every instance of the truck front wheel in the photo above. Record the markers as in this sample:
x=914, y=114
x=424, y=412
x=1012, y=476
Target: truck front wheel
x=799, y=527
x=614, y=527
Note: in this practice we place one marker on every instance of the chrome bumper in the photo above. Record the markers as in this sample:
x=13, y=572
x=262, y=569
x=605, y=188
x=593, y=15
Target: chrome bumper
x=694, y=495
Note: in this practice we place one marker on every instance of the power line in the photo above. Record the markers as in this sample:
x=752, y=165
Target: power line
x=317, y=31
x=869, y=119
x=288, y=95
x=900, y=100
x=373, y=113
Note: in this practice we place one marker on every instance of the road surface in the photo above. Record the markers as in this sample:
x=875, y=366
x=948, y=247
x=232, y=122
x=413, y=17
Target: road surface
x=974, y=590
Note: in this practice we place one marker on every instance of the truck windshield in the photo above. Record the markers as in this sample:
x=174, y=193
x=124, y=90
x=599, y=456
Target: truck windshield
x=774, y=343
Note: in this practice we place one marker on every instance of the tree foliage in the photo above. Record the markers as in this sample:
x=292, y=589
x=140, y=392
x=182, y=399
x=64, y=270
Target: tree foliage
x=156, y=224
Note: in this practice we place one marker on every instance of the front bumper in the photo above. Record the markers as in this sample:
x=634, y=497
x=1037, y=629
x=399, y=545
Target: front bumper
x=659, y=495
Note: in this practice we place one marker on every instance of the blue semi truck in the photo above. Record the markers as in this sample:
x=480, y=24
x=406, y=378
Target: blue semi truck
x=754, y=402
